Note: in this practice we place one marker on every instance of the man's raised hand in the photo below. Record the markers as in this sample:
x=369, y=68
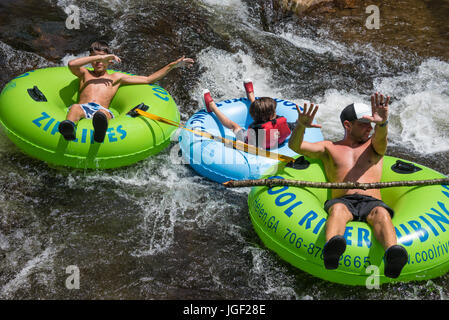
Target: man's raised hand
x=379, y=108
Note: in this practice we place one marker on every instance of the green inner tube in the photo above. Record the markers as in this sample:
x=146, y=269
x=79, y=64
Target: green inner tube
x=291, y=221
x=31, y=121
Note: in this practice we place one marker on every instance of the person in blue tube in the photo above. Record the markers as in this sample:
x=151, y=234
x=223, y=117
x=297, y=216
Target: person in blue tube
x=267, y=131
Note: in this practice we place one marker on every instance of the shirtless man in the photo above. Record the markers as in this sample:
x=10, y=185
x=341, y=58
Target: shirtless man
x=358, y=157
x=97, y=88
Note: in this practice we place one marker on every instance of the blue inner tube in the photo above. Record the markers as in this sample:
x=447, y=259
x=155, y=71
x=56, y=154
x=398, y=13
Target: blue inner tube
x=219, y=163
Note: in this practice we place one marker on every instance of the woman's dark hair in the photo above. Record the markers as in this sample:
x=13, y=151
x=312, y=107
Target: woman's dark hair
x=99, y=46
x=263, y=109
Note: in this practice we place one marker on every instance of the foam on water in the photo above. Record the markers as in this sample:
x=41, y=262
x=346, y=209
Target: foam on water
x=328, y=114
x=65, y=60
x=224, y=74
x=168, y=195
x=41, y=264
x=419, y=112
x=85, y=13
x=267, y=273
x=226, y=5
x=300, y=38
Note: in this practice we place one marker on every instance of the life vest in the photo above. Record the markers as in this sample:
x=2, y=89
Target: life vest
x=276, y=128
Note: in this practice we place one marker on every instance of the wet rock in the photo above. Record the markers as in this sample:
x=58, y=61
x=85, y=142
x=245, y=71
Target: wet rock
x=346, y=4
x=417, y=26
x=306, y=6
x=16, y=62
x=302, y=6
x=39, y=27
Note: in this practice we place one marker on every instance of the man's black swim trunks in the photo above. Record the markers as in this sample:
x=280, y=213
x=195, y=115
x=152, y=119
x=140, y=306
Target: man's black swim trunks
x=359, y=205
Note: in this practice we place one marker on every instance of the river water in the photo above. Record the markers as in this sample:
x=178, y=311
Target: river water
x=157, y=230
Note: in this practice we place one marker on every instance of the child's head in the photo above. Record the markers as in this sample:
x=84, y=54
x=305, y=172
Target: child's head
x=99, y=48
x=263, y=109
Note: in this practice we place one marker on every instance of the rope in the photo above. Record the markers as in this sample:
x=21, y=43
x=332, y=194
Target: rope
x=239, y=145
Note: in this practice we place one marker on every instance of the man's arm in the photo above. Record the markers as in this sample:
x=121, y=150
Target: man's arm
x=76, y=66
x=314, y=150
x=379, y=139
x=158, y=74
x=380, y=118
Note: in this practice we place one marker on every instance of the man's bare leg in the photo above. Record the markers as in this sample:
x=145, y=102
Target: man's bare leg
x=379, y=218
x=395, y=255
x=339, y=216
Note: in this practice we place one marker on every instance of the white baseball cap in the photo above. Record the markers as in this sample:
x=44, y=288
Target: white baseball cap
x=356, y=111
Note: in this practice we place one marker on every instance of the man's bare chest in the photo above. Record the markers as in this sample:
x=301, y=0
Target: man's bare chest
x=344, y=157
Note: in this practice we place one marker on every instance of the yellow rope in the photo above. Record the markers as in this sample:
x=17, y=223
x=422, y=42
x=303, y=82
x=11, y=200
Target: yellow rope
x=239, y=145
